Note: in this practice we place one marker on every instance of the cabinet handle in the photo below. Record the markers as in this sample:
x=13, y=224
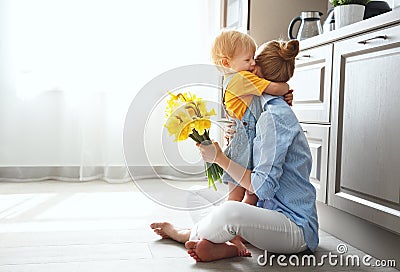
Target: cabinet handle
x=303, y=56
x=384, y=37
x=305, y=130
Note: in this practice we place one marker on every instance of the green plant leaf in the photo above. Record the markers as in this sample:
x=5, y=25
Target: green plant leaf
x=336, y=3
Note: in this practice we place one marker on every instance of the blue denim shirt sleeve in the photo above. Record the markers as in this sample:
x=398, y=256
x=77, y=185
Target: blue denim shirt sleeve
x=274, y=136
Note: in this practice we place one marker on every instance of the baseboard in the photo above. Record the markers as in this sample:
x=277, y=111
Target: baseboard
x=113, y=174
x=168, y=172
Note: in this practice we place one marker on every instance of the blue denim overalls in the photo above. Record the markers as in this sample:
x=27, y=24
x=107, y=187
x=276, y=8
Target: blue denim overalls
x=240, y=149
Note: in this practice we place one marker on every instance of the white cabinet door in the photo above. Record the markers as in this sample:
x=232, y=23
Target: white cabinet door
x=318, y=140
x=365, y=145
x=311, y=83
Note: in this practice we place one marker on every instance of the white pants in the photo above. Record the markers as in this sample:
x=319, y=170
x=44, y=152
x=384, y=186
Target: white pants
x=265, y=229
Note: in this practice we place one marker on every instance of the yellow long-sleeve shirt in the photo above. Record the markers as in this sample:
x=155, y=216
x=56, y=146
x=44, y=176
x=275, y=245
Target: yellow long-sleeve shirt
x=240, y=91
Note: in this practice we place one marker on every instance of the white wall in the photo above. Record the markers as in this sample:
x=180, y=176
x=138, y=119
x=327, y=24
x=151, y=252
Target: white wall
x=269, y=19
x=44, y=129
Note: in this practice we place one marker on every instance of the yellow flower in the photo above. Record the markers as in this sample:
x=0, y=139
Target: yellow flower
x=184, y=133
x=172, y=104
x=182, y=130
x=177, y=122
x=200, y=125
x=173, y=125
x=186, y=112
x=187, y=116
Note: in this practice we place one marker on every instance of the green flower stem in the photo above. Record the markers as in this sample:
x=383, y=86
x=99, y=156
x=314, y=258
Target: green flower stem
x=213, y=171
x=195, y=136
x=209, y=175
x=206, y=132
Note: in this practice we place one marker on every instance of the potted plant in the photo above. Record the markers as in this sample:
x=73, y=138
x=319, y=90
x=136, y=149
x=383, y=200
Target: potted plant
x=348, y=11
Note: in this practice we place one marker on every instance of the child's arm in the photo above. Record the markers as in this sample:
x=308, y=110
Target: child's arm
x=277, y=88
x=273, y=88
x=280, y=88
x=246, y=83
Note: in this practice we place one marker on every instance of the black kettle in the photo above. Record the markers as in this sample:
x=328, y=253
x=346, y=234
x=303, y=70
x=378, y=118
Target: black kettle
x=310, y=25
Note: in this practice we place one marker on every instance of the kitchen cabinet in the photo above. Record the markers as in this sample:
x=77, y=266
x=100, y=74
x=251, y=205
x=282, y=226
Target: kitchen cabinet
x=318, y=140
x=312, y=85
x=347, y=103
x=354, y=136
x=312, y=99
x=364, y=177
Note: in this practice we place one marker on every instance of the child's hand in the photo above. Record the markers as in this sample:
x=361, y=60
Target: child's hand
x=230, y=131
x=289, y=97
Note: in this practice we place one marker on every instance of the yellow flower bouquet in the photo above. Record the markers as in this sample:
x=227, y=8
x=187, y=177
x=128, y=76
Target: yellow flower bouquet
x=187, y=116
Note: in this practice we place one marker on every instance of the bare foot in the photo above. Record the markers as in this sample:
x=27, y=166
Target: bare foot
x=169, y=231
x=206, y=251
x=242, y=249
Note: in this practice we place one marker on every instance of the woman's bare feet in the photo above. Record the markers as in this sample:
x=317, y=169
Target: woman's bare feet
x=168, y=231
x=242, y=249
x=206, y=251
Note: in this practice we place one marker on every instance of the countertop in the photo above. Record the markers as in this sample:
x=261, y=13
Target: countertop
x=383, y=20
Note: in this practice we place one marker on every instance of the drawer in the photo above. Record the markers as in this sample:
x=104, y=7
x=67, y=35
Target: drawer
x=318, y=140
x=371, y=42
x=311, y=83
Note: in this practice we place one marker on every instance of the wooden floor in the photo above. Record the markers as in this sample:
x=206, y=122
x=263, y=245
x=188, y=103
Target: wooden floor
x=96, y=226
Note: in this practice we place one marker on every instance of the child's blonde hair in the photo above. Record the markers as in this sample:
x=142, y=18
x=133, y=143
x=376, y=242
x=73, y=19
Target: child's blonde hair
x=228, y=43
x=276, y=59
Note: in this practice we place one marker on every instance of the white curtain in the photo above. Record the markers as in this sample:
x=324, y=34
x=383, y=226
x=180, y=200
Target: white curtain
x=69, y=70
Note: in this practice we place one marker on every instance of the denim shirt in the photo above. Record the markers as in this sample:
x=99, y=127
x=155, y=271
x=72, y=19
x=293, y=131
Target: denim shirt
x=282, y=160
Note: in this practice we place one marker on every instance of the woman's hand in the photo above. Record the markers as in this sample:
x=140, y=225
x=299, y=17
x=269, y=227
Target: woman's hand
x=210, y=152
x=289, y=97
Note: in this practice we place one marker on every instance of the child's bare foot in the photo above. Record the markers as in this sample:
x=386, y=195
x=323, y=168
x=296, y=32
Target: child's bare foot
x=169, y=231
x=242, y=249
x=206, y=251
